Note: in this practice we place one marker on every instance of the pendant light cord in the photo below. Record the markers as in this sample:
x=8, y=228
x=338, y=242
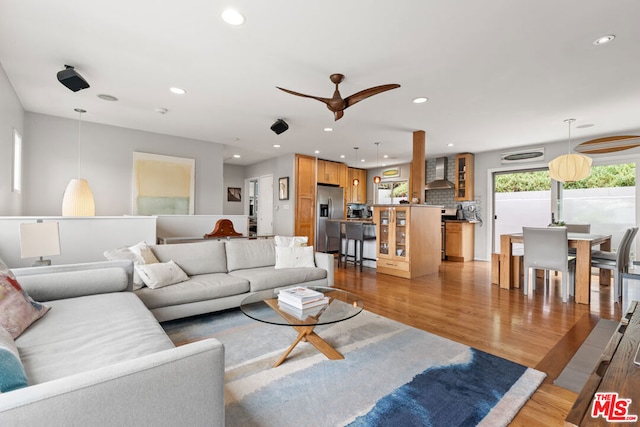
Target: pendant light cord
x=568, y=122
x=80, y=111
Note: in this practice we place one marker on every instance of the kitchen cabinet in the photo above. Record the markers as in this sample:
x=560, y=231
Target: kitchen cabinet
x=357, y=193
x=407, y=239
x=305, y=178
x=328, y=172
x=464, y=177
x=460, y=239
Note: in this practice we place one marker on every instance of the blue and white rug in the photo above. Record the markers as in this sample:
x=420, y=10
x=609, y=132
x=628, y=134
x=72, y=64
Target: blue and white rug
x=392, y=375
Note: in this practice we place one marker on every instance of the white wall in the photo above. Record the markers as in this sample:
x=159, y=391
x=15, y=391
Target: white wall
x=11, y=117
x=51, y=160
x=283, y=210
x=233, y=177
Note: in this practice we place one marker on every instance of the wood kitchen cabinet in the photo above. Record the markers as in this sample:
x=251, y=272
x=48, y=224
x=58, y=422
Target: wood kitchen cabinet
x=464, y=177
x=357, y=193
x=329, y=172
x=305, y=217
x=460, y=240
x=407, y=239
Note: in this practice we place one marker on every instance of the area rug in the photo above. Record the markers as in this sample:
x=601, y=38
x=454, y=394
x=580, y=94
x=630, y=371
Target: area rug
x=574, y=376
x=392, y=375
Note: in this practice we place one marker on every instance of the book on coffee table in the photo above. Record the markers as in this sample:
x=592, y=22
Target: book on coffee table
x=302, y=314
x=300, y=294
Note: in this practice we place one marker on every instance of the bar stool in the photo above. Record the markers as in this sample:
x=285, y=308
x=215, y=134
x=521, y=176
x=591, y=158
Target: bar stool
x=332, y=231
x=354, y=231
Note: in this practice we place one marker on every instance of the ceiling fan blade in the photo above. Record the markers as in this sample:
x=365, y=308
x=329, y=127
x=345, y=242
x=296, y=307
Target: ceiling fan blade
x=364, y=94
x=325, y=100
x=338, y=115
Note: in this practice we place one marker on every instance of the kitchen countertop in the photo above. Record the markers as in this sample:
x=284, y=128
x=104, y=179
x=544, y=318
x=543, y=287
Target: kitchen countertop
x=412, y=205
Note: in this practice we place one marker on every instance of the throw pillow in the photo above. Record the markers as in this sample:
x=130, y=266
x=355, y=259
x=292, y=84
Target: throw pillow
x=161, y=274
x=12, y=374
x=294, y=257
x=288, y=242
x=139, y=253
x=17, y=309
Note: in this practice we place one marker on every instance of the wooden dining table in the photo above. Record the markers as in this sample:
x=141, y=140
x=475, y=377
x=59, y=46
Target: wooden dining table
x=582, y=242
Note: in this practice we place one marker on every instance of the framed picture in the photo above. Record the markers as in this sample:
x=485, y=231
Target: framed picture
x=162, y=185
x=233, y=194
x=283, y=188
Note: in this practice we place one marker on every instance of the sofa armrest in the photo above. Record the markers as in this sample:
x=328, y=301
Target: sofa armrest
x=73, y=280
x=180, y=386
x=326, y=262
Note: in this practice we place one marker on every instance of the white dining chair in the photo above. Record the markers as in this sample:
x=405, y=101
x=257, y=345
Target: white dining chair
x=617, y=261
x=577, y=228
x=546, y=249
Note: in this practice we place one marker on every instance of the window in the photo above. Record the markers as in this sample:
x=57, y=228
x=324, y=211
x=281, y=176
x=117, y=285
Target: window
x=388, y=193
x=17, y=162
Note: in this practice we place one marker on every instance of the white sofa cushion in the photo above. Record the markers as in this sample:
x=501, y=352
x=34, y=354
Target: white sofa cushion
x=85, y=333
x=204, y=257
x=270, y=278
x=290, y=241
x=243, y=254
x=198, y=288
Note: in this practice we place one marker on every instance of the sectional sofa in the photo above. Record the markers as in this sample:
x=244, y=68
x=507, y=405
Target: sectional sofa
x=221, y=273
x=99, y=357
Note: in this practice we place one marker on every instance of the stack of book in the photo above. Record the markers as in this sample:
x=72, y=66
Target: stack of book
x=302, y=302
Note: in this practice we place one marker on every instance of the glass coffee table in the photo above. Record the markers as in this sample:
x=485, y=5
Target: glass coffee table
x=342, y=305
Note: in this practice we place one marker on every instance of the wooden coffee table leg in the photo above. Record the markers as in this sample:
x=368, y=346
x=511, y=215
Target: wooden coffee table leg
x=305, y=333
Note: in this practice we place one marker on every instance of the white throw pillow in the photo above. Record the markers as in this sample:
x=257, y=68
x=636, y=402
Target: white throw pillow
x=139, y=253
x=161, y=274
x=289, y=242
x=294, y=257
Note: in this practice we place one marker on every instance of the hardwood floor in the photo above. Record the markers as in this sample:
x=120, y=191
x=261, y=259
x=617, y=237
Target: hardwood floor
x=461, y=304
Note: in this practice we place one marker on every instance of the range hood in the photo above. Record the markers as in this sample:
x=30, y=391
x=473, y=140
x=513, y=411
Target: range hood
x=440, y=183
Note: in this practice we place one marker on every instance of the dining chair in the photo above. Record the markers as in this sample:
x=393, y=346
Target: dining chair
x=577, y=228
x=617, y=261
x=332, y=231
x=546, y=249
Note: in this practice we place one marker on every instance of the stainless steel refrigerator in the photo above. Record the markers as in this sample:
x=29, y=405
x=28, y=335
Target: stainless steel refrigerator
x=330, y=205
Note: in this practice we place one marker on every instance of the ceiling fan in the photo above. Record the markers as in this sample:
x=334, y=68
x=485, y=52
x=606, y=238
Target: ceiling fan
x=337, y=104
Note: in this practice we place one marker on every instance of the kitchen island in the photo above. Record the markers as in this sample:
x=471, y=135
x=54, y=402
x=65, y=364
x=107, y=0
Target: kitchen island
x=409, y=239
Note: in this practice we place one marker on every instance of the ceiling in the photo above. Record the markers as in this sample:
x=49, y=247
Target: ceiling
x=498, y=74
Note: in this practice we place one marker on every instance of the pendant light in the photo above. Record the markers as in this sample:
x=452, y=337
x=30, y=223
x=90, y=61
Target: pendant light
x=356, y=181
x=78, y=198
x=570, y=167
x=377, y=179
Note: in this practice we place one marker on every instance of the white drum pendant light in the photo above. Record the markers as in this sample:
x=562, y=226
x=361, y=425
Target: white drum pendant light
x=78, y=198
x=570, y=167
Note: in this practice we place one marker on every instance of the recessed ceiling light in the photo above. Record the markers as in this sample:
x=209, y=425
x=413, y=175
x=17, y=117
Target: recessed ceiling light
x=232, y=17
x=586, y=125
x=449, y=145
x=386, y=156
x=420, y=100
x=328, y=129
x=604, y=39
x=161, y=110
x=177, y=90
x=362, y=160
x=276, y=145
x=317, y=151
x=342, y=156
x=106, y=97
x=236, y=156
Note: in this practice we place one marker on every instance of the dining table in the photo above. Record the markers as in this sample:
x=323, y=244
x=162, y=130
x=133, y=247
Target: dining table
x=582, y=242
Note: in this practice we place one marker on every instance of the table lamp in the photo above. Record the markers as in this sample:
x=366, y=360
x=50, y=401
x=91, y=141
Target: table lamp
x=39, y=239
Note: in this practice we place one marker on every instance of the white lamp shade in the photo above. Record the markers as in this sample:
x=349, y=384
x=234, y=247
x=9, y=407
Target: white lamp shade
x=38, y=239
x=570, y=167
x=78, y=199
